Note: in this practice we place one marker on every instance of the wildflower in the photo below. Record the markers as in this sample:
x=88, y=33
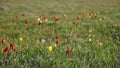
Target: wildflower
x=26, y=21
x=74, y=22
x=23, y=14
x=68, y=51
x=40, y=22
x=100, y=43
x=50, y=48
x=78, y=18
x=43, y=40
x=55, y=45
x=90, y=31
x=56, y=37
x=14, y=49
x=38, y=19
x=6, y=49
x=20, y=39
x=2, y=26
x=3, y=41
x=90, y=39
x=57, y=41
x=64, y=16
x=55, y=19
x=11, y=45
x=13, y=20
x=46, y=20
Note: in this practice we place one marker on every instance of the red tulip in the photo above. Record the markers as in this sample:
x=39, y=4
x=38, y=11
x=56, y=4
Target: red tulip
x=57, y=41
x=3, y=41
x=14, y=49
x=56, y=37
x=13, y=20
x=74, y=22
x=6, y=49
x=68, y=51
x=16, y=16
x=40, y=22
x=26, y=21
x=64, y=17
x=11, y=45
x=3, y=27
x=78, y=18
x=23, y=14
x=55, y=19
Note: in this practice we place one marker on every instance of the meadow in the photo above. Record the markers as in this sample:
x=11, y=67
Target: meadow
x=59, y=34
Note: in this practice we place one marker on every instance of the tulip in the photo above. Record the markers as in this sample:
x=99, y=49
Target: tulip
x=23, y=14
x=74, y=22
x=38, y=19
x=57, y=41
x=14, y=49
x=50, y=48
x=68, y=51
x=6, y=49
x=40, y=22
x=64, y=16
x=3, y=41
x=55, y=19
x=78, y=18
x=11, y=45
x=20, y=39
x=13, y=20
x=55, y=45
x=26, y=21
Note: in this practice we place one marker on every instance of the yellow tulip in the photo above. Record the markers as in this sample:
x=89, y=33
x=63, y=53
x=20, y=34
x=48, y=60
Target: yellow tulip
x=38, y=19
x=20, y=38
x=55, y=45
x=46, y=20
x=50, y=48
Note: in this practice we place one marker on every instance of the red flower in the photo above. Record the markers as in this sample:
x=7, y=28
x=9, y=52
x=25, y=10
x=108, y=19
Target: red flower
x=2, y=26
x=56, y=37
x=12, y=45
x=23, y=14
x=14, y=49
x=3, y=41
x=13, y=20
x=78, y=18
x=64, y=17
x=16, y=16
x=26, y=21
x=55, y=19
x=74, y=22
x=68, y=51
x=57, y=41
x=40, y=22
x=6, y=49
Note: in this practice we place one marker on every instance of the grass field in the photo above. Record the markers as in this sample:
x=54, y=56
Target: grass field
x=60, y=34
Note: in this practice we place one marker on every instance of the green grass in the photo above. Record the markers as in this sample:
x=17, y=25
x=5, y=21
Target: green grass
x=103, y=51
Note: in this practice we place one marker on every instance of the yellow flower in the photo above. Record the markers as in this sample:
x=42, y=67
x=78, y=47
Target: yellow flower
x=100, y=44
x=55, y=45
x=46, y=20
x=65, y=15
x=21, y=39
x=50, y=48
x=38, y=19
